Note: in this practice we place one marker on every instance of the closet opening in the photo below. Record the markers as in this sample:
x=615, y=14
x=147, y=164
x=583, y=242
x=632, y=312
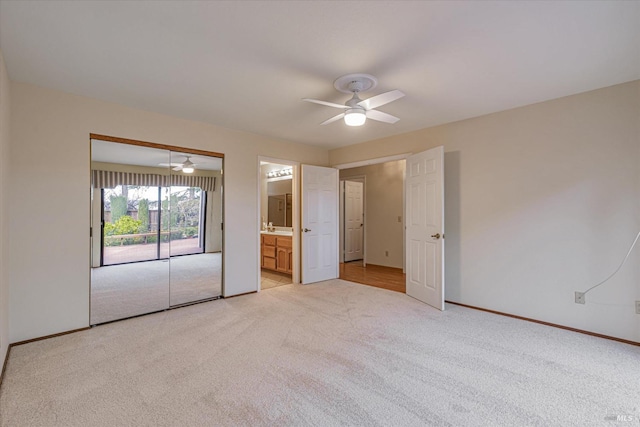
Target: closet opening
x=157, y=235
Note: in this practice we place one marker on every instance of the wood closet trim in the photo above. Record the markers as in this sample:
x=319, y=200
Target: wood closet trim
x=154, y=145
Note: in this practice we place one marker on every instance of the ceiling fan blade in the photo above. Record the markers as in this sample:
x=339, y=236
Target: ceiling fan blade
x=177, y=168
x=381, y=117
x=328, y=104
x=379, y=100
x=333, y=119
x=166, y=165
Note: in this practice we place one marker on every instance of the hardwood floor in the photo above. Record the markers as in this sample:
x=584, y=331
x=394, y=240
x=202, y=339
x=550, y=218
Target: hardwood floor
x=389, y=278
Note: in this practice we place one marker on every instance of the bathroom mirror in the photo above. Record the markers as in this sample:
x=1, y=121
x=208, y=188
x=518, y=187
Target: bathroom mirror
x=280, y=204
x=156, y=229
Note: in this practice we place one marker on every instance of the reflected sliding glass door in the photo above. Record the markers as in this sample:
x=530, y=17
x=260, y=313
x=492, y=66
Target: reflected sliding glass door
x=138, y=228
x=157, y=229
x=131, y=224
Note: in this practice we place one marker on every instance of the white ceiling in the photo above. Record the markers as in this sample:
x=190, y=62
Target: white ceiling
x=246, y=65
x=125, y=154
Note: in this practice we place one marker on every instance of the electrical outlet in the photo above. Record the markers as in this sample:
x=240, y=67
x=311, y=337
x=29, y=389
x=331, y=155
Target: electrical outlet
x=386, y=253
x=637, y=307
x=579, y=297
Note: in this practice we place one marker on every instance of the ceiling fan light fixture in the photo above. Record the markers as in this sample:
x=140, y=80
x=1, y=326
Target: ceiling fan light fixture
x=355, y=117
x=188, y=166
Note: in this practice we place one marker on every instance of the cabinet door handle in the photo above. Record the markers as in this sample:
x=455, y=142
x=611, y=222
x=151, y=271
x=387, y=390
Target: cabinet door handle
x=306, y=230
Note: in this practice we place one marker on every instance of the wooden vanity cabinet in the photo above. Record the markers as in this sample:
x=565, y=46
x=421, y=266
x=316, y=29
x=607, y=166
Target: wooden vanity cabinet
x=277, y=253
x=268, y=252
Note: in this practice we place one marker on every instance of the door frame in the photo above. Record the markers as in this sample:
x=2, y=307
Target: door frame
x=363, y=180
x=295, y=215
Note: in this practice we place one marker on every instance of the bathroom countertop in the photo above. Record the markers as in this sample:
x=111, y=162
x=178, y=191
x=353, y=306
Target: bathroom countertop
x=277, y=233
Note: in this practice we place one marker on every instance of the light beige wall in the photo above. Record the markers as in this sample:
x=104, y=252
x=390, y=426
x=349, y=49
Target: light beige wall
x=384, y=186
x=4, y=208
x=541, y=201
x=49, y=262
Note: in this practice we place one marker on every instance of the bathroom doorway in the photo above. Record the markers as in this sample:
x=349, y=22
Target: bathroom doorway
x=278, y=223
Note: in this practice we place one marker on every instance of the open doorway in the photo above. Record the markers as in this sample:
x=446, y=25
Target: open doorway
x=278, y=218
x=372, y=225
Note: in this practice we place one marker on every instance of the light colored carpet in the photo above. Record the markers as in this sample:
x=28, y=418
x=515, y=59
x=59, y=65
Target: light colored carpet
x=120, y=291
x=332, y=353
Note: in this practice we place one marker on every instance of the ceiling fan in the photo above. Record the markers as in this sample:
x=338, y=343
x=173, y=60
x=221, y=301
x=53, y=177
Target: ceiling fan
x=187, y=166
x=358, y=110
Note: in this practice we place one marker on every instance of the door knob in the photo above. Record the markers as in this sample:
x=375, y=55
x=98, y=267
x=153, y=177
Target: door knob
x=436, y=236
x=306, y=230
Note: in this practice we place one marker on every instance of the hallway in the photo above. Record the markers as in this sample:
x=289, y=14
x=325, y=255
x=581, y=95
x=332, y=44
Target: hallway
x=378, y=276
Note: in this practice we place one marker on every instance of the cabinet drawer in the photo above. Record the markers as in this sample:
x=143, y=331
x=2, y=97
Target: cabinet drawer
x=269, y=251
x=268, y=240
x=284, y=242
x=269, y=263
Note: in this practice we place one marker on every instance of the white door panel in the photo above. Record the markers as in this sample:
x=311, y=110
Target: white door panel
x=354, y=207
x=319, y=224
x=425, y=227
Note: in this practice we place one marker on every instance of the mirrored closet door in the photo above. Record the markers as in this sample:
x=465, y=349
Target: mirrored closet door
x=156, y=229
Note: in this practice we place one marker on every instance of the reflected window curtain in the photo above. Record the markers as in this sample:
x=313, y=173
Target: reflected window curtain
x=111, y=179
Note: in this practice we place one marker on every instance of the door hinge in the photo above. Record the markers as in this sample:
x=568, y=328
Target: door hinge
x=222, y=226
x=90, y=231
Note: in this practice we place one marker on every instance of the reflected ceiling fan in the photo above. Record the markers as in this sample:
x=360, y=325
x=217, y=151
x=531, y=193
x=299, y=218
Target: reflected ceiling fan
x=187, y=166
x=357, y=110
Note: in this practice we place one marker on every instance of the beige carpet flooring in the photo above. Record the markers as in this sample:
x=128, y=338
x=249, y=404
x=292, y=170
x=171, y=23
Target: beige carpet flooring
x=120, y=291
x=332, y=353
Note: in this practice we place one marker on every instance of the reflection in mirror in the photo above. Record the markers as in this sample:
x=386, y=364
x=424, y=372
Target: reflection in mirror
x=196, y=233
x=279, y=202
x=146, y=211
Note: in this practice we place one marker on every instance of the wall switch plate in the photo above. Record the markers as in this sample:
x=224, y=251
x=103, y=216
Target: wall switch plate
x=579, y=297
x=637, y=307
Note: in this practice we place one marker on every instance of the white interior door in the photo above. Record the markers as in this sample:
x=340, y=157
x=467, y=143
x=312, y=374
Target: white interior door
x=425, y=226
x=353, y=220
x=319, y=224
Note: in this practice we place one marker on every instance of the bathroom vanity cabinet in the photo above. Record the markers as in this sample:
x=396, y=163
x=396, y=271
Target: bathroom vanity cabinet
x=276, y=253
